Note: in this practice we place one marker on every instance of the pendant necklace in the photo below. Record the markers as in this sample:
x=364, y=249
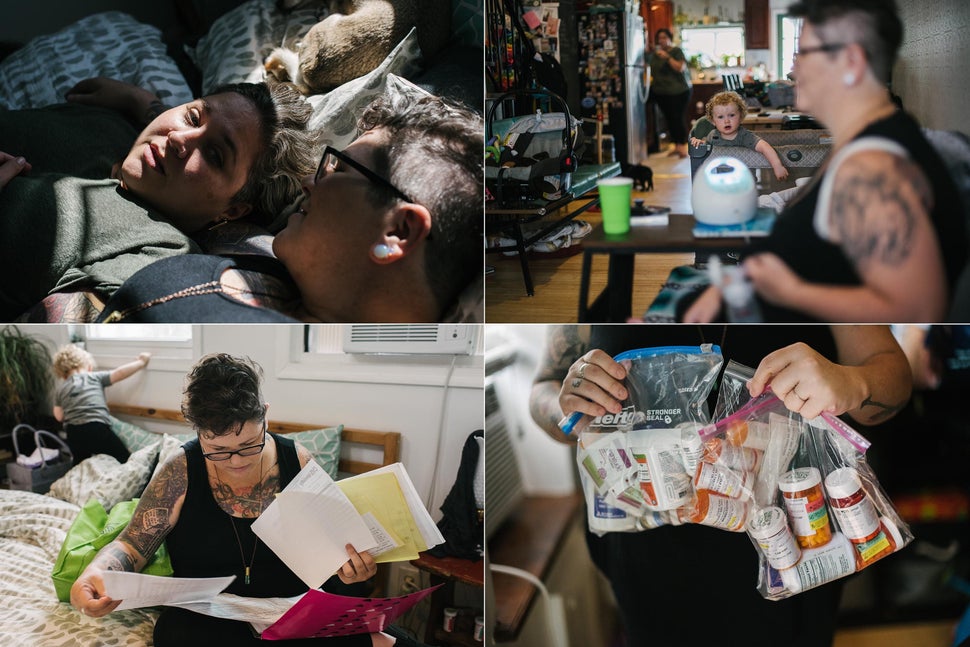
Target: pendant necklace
x=248, y=567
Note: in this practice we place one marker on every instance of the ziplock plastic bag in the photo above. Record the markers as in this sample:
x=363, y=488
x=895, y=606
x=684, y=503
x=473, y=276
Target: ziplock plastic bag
x=632, y=464
x=816, y=510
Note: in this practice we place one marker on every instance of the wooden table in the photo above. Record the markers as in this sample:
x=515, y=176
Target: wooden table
x=614, y=303
x=530, y=539
x=448, y=571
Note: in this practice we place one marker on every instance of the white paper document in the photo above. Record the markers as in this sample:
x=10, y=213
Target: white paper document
x=310, y=523
x=137, y=590
x=385, y=541
x=429, y=530
x=260, y=612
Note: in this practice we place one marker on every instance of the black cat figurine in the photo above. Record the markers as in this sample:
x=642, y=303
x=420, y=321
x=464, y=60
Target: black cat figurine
x=642, y=175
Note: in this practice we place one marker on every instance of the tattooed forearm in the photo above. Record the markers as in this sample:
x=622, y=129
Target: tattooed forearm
x=565, y=346
x=884, y=412
x=876, y=208
x=115, y=558
x=153, y=518
x=544, y=406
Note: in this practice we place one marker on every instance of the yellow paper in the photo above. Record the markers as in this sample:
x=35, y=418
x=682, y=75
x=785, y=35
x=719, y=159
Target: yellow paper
x=381, y=495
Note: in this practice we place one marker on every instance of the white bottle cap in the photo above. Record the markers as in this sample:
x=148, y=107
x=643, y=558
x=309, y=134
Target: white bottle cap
x=767, y=522
x=842, y=483
x=893, y=529
x=799, y=479
x=791, y=580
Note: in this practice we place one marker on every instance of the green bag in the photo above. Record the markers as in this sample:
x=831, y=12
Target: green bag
x=92, y=530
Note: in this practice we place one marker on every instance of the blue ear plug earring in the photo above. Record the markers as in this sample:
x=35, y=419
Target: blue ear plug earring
x=381, y=251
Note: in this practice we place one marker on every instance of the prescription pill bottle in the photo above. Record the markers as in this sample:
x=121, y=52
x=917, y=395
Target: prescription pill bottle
x=753, y=434
x=820, y=565
x=449, y=619
x=735, y=457
x=691, y=448
x=479, y=634
x=801, y=489
x=769, y=528
x=717, y=511
x=723, y=480
x=857, y=516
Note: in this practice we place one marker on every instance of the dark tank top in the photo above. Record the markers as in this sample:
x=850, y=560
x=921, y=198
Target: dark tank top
x=815, y=260
x=203, y=544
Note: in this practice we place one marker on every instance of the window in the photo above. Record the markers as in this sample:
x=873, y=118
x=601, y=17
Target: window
x=788, y=31
x=721, y=45
x=173, y=346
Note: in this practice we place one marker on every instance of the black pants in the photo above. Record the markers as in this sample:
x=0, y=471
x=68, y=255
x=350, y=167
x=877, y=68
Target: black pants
x=95, y=438
x=694, y=586
x=674, y=109
x=181, y=628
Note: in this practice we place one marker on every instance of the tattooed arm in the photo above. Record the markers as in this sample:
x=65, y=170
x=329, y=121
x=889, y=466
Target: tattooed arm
x=573, y=378
x=156, y=514
x=870, y=381
x=879, y=216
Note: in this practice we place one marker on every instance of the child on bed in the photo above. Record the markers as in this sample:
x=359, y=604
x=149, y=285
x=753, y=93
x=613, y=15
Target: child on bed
x=79, y=402
x=727, y=110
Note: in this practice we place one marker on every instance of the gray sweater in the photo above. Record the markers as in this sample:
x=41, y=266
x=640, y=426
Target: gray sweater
x=63, y=226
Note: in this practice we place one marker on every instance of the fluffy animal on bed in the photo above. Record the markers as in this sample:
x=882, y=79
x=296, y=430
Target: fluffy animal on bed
x=355, y=37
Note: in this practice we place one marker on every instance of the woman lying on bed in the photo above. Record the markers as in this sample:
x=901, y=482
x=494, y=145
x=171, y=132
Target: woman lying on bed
x=75, y=218
x=202, y=503
x=390, y=230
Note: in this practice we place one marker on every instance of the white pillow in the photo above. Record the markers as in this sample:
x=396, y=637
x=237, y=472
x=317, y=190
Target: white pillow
x=111, y=44
x=102, y=477
x=238, y=42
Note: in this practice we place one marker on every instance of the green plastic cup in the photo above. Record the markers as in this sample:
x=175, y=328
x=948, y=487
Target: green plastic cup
x=615, y=196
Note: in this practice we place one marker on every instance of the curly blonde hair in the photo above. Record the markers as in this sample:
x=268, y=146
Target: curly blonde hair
x=70, y=358
x=726, y=98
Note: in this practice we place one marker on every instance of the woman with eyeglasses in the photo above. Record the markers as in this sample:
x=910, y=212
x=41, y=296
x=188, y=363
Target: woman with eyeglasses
x=878, y=235
x=97, y=188
x=390, y=230
x=202, y=503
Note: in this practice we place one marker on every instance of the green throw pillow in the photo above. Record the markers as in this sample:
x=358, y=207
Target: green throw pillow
x=133, y=436
x=324, y=444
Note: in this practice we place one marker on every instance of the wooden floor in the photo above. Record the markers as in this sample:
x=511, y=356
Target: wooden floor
x=929, y=634
x=556, y=280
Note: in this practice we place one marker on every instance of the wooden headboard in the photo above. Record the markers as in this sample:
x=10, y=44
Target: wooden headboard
x=388, y=442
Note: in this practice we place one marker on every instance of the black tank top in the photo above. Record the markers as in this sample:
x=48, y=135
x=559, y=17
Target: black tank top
x=203, y=544
x=816, y=260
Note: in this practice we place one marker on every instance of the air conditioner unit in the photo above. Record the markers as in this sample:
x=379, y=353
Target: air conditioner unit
x=418, y=339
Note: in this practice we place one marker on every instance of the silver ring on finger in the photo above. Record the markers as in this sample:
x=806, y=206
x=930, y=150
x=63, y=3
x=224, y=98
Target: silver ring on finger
x=582, y=371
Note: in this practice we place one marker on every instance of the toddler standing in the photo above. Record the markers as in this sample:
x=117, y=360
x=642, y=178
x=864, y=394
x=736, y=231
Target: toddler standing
x=727, y=110
x=79, y=402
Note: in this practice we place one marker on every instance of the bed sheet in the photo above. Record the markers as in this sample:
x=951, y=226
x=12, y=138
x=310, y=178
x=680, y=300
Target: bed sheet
x=32, y=529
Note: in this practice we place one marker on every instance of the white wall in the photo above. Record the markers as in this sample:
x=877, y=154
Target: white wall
x=548, y=467
x=434, y=420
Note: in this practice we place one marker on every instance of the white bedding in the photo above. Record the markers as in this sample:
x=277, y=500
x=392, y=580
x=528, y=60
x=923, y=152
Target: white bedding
x=32, y=529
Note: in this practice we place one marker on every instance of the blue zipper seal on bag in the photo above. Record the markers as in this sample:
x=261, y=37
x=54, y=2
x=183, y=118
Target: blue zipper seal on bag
x=568, y=423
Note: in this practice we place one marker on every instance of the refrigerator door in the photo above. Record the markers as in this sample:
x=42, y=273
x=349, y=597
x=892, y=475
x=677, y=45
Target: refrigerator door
x=637, y=86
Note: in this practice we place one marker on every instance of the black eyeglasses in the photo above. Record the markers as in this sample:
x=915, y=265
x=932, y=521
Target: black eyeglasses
x=827, y=47
x=245, y=451
x=328, y=161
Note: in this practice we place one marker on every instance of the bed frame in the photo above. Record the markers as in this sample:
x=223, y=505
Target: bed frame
x=388, y=442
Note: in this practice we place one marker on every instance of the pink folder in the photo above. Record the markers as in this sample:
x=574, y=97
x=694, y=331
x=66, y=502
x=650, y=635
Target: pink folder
x=319, y=614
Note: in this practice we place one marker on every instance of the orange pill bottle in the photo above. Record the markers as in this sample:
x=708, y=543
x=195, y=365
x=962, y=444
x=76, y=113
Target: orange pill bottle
x=856, y=514
x=718, y=511
x=801, y=490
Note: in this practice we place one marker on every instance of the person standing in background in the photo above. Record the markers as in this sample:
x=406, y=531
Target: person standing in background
x=79, y=402
x=671, y=87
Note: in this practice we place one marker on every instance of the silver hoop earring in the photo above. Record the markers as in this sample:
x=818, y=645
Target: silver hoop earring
x=381, y=251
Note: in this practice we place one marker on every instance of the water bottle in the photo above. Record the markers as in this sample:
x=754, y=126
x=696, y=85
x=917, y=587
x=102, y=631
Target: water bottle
x=739, y=296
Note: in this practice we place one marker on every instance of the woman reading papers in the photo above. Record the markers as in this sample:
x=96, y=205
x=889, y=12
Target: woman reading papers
x=203, y=502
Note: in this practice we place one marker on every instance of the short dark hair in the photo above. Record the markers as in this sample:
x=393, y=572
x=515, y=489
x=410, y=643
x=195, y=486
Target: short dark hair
x=873, y=24
x=222, y=393
x=288, y=151
x=435, y=155
x=662, y=30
